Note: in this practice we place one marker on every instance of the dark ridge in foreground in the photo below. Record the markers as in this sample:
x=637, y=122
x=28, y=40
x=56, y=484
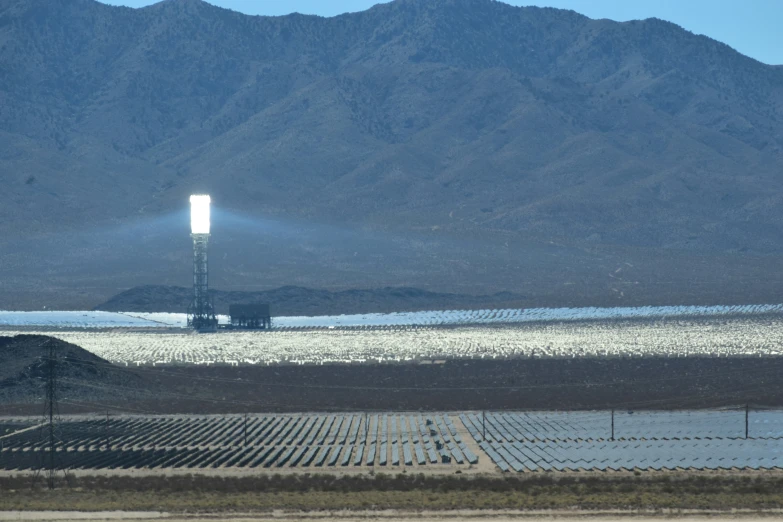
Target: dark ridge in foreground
x=81, y=375
x=295, y=300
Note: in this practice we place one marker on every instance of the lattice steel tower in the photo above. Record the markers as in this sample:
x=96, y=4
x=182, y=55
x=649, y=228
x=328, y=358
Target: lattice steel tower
x=51, y=445
x=201, y=313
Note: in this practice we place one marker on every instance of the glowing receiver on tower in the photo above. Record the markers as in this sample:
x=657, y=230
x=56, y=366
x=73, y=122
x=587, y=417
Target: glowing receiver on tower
x=201, y=313
x=199, y=214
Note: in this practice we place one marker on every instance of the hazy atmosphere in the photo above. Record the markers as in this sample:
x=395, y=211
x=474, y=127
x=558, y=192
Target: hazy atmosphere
x=424, y=259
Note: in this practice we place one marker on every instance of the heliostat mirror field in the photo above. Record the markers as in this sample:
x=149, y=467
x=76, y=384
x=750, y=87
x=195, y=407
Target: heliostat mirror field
x=682, y=337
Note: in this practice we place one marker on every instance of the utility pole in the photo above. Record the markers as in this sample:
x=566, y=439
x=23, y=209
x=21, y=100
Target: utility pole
x=51, y=390
x=747, y=413
x=612, y=423
x=106, y=432
x=51, y=398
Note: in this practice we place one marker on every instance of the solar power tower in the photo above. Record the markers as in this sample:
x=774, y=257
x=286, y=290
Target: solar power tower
x=201, y=313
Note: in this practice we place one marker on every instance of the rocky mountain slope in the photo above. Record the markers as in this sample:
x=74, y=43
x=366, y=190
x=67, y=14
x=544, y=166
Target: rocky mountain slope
x=454, y=119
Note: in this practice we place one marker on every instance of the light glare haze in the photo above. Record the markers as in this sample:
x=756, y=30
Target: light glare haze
x=751, y=26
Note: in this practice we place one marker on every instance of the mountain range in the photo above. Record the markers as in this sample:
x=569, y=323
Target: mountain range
x=454, y=145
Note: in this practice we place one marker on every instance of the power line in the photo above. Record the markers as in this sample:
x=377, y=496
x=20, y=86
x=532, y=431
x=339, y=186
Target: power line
x=50, y=432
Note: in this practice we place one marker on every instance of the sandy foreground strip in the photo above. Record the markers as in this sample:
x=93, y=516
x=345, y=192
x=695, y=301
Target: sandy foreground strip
x=398, y=516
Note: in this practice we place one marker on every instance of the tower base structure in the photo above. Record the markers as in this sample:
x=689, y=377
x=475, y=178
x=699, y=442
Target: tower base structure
x=201, y=312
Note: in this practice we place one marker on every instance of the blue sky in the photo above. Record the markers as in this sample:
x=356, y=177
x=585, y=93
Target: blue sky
x=753, y=27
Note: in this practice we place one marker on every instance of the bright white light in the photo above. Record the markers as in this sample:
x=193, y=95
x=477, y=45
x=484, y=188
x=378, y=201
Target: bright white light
x=199, y=214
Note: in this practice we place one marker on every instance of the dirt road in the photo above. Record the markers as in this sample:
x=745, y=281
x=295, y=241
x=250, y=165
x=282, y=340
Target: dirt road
x=398, y=516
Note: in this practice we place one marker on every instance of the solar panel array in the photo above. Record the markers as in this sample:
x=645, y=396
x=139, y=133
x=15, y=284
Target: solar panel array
x=514, y=441
x=557, y=441
x=273, y=441
x=628, y=455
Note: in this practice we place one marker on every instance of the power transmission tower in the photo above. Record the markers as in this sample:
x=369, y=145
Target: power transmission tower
x=50, y=428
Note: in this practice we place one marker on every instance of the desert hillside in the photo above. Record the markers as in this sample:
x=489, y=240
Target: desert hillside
x=459, y=145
